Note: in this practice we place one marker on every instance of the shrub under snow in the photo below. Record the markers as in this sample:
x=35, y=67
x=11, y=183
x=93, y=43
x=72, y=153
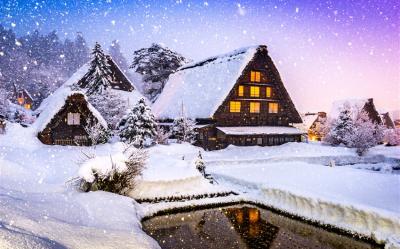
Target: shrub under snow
x=115, y=173
x=183, y=130
x=392, y=137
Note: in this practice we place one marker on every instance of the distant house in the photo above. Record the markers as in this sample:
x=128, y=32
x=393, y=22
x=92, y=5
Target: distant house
x=236, y=98
x=23, y=98
x=387, y=120
x=63, y=121
x=313, y=125
x=397, y=123
x=355, y=106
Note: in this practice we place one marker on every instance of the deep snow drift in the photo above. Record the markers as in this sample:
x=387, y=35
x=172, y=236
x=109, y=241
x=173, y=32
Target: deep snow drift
x=38, y=208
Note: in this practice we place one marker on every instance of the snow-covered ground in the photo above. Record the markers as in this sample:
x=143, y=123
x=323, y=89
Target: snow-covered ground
x=38, y=208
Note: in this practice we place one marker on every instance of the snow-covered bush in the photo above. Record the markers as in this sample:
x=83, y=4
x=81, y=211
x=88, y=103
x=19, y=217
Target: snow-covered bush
x=110, y=105
x=115, y=173
x=155, y=64
x=200, y=165
x=366, y=134
x=97, y=133
x=138, y=125
x=392, y=137
x=183, y=130
x=340, y=129
x=162, y=136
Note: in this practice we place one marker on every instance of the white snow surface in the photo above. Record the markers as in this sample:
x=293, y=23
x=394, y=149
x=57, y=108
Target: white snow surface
x=251, y=130
x=201, y=89
x=38, y=209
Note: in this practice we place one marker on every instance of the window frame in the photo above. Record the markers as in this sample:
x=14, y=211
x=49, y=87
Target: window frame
x=241, y=91
x=272, y=110
x=252, y=106
x=252, y=93
x=235, y=106
x=255, y=76
x=73, y=118
x=268, y=92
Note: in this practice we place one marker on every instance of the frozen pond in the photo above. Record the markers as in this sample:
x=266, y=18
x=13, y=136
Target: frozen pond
x=242, y=226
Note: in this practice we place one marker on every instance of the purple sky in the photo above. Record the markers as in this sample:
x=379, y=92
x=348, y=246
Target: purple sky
x=324, y=51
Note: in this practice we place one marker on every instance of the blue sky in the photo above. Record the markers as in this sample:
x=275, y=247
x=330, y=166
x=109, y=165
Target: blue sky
x=324, y=50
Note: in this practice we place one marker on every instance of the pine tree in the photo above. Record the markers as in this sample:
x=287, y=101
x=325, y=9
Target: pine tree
x=138, y=125
x=366, y=134
x=99, y=77
x=110, y=105
x=340, y=129
x=183, y=130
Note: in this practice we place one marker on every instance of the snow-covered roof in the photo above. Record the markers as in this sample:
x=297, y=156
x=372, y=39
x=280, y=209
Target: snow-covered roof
x=260, y=130
x=201, y=87
x=354, y=105
x=54, y=104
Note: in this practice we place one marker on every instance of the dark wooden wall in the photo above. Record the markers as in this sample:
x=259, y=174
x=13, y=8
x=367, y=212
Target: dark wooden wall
x=269, y=78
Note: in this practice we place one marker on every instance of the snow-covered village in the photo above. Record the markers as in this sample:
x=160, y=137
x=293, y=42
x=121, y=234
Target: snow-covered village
x=201, y=125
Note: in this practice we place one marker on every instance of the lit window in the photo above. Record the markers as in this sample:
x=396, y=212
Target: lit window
x=254, y=91
x=73, y=118
x=241, y=91
x=27, y=106
x=234, y=106
x=273, y=107
x=268, y=92
x=254, y=107
x=255, y=76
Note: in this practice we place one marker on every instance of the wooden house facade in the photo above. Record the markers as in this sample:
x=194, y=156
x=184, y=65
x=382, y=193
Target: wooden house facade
x=24, y=99
x=237, y=98
x=66, y=124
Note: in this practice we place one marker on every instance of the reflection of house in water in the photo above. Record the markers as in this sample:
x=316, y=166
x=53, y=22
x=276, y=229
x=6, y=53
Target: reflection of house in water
x=256, y=233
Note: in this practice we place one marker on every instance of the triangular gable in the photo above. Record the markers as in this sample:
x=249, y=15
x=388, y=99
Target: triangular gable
x=201, y=87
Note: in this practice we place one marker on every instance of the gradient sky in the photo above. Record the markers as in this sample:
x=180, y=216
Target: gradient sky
x=324, y=50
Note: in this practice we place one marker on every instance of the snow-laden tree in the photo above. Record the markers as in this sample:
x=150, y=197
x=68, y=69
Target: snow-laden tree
x=366, y=134
x=96, y=132
x=111, y=106
x=138, y=126
x=4, y=104
x=155, y=64
x=162, y=135
x=392, y=137
x=341, y=129
x=99, y=76
x=183, y=130
x=117, y=56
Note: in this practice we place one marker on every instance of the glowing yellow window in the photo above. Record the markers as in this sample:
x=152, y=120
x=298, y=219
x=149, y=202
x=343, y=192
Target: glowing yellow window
x=27, y=106
x=254, y=91
x=241, y=91
x=273, y=107
x=255, y=76
x=254, y=107
x=268, y=92
x=234, y=106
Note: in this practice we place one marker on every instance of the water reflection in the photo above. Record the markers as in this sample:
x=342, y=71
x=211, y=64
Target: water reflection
x=241, y=227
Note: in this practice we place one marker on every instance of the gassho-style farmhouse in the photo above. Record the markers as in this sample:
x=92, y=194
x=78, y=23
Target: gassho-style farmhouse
x=236, y=98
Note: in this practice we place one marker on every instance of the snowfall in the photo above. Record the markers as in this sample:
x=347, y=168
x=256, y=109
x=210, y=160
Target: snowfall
x=329, y=185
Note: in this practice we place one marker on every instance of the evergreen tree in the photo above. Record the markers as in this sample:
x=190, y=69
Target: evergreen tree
x=138, y=125
x=366, y=134
x=183, y=130
x=341, y=128
x=118, y=57
x=155, y=64
x=110, y=105
x=99, y=77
